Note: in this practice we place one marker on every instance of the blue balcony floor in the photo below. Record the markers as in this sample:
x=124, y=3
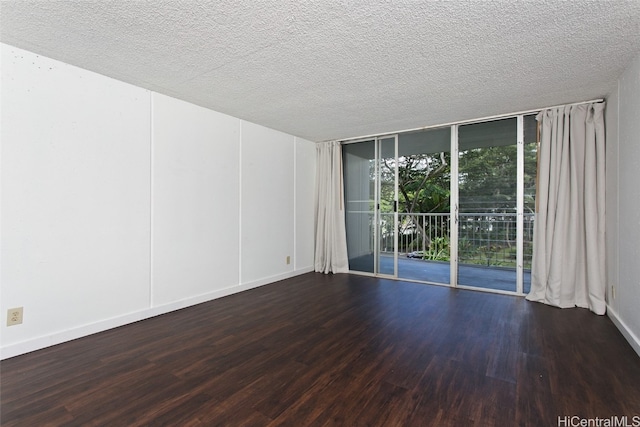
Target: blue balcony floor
x=499, y=278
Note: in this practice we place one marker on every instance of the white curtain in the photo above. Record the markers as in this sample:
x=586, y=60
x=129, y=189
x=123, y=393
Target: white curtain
x=568, y=267
x=331, y=236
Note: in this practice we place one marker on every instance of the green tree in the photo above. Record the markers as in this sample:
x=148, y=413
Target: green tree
x=488, y=188
x=423, y=187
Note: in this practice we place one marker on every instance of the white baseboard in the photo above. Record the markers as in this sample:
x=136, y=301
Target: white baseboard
x=624, y=329
x=103, y=325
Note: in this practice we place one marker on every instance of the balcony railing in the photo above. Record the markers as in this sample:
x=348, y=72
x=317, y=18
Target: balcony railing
x=483, y=238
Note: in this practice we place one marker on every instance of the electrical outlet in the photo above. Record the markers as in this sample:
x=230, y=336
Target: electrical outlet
x=288, y=260
x=14, y=316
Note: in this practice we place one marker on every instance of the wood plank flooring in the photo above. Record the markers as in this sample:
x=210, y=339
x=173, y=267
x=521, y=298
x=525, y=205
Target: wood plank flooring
x=338, y=350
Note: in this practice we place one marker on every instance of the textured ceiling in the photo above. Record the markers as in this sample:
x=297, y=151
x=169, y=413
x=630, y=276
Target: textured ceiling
x=335, y=69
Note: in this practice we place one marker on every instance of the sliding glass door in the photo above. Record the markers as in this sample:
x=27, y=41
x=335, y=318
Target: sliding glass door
x=487, y=213
x=360, y=183
x=415, y=212
x=387, y=206
x=370, y=184
x=529, y=180
x=424, y=163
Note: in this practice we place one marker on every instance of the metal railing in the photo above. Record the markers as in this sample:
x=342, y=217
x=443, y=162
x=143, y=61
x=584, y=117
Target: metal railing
x=483, y=238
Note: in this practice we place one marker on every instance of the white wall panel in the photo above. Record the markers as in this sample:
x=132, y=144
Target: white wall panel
x=305, y=202
x=612, y=196
x=627, y=298
x=119, y=204
x=267, y=202
x=75, y=196
x=195, y=200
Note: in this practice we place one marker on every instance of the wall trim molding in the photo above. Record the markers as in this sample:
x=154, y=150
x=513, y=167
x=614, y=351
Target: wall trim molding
x=633, y=340
x=42, y=342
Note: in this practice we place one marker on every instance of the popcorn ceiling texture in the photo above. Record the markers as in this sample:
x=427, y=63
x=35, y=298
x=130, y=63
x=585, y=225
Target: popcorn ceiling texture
x=337, y=69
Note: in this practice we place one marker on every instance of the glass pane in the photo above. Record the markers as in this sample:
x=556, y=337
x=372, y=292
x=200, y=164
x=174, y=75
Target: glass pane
x=487, y=204
x=424, y=179
x=386, y=229
x=530, y=180
x=359, y=187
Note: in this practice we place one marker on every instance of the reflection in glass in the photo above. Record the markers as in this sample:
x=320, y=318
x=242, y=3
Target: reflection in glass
x=359, y=193
x=487, y=183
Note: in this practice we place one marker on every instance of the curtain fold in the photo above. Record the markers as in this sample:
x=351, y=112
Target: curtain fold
x=568, y=267
x=331, y=236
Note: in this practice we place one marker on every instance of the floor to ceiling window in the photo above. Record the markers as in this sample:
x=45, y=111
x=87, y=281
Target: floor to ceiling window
x=415, y=212
x=370, y=187
x=424, y=180
x=487, y=204
x=360, y=193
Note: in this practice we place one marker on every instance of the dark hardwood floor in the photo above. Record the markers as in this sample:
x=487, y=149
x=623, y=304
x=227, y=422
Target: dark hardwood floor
x=343, y=350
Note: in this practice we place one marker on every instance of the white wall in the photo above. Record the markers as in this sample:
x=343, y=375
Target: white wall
x=196, y=196
x=305, y=178
x=623, y=203
x=75, y=196
x=267, y=202
x=119, y=204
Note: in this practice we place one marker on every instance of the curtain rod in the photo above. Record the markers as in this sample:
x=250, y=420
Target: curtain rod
x=464, y=122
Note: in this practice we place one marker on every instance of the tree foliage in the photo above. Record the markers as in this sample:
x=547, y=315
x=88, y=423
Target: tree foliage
x=487, y=181
x=487, y=186
x=423, y=182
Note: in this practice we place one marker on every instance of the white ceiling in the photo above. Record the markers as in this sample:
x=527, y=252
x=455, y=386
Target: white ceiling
x=331, y=69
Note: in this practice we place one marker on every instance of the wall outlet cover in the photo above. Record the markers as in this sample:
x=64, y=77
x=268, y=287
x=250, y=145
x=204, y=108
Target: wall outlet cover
x=14, y=316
